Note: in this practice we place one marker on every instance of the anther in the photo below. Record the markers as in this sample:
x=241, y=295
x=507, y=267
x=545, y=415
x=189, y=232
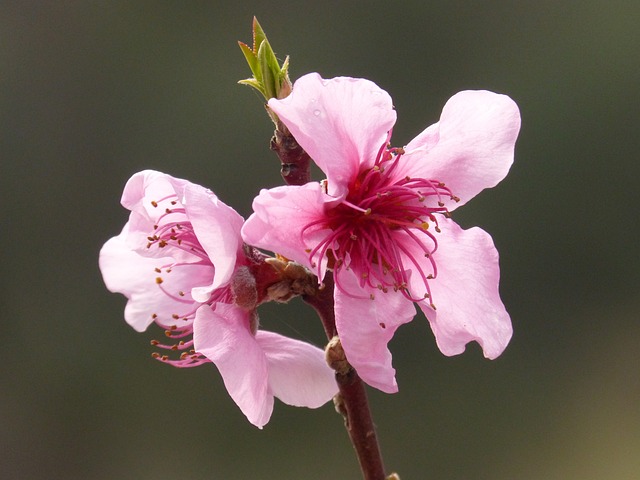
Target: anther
x=155, y=342
x=154, y=203
x=159, y=280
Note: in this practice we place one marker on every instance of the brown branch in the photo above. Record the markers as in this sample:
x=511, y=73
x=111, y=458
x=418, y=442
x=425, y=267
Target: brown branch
x=294, y=161
x=351, y=401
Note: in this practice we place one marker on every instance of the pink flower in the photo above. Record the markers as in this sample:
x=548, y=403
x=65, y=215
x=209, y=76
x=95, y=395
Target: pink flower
x=176, y=261
x=381, y=221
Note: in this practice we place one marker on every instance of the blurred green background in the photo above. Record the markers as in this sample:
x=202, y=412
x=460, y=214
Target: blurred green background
x=91, y=92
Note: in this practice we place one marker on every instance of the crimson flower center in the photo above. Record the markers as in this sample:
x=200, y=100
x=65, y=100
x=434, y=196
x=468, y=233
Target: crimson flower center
x=385, y=228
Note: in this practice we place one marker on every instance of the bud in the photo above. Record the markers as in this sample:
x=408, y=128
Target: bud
x=269, y=78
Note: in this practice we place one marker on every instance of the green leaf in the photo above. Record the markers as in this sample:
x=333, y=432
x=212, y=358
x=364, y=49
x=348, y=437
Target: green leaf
x=269, y=78
x=251, y=57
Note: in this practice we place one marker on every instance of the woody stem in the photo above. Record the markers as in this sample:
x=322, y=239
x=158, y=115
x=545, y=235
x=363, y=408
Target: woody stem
x=294, y=161
x=351, y=401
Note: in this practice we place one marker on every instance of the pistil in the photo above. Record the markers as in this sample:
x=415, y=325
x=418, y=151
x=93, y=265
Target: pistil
x=375, y=230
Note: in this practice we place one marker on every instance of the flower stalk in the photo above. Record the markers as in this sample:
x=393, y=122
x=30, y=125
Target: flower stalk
x=351, y=401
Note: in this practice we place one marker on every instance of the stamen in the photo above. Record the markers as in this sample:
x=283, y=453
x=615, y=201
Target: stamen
x=372, y=230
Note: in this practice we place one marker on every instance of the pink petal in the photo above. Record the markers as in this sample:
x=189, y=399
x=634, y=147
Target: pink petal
x=134, y=276
x=298, y=372
x=472, y=146
x=223, y=336
x=217, y=227
x=365, y=327
x=148, y=185
x=279, y=220
x=466, y=294
x=341, y=123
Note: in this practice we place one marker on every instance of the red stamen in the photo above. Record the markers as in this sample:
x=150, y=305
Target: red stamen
x=372, y=230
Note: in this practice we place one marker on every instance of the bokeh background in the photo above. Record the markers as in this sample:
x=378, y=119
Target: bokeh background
x=91, y=92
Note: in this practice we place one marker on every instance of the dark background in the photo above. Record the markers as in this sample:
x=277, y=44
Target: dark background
x=91, y=92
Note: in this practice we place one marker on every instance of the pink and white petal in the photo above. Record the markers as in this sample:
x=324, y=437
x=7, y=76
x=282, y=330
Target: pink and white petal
x=341, y=123
x=141, y=227
x=298, y=372
x=223, y=336
x=147, y=186
x=134, y=276
x=366, y=326
x=217, y=227
x=279, y=220
x=472, y=146
x=466, y=294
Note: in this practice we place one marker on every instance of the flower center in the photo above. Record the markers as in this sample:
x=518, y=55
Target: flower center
x=174, y=234
x=381, y=231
